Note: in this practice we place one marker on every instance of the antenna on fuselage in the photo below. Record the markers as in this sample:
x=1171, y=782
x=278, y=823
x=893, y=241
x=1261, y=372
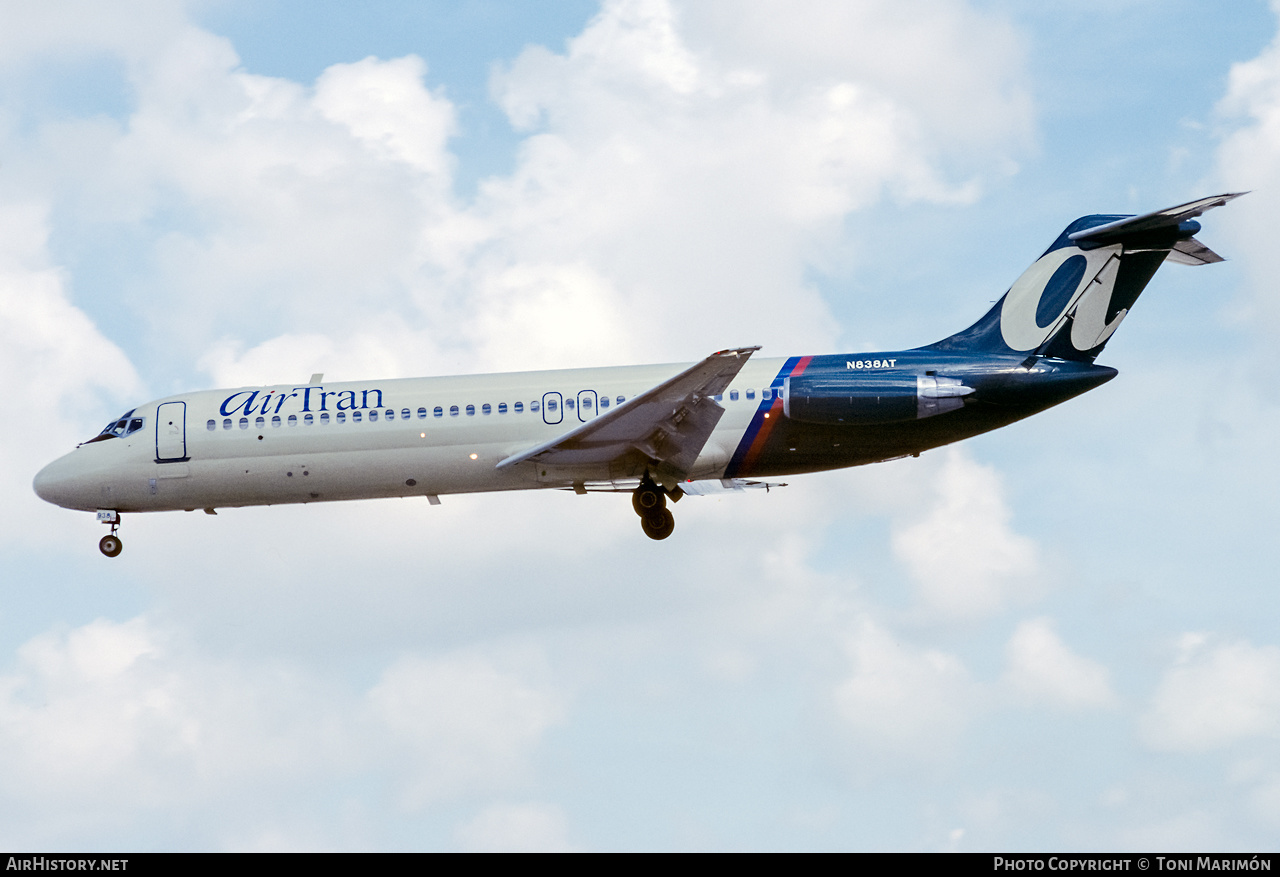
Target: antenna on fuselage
x=316, y=379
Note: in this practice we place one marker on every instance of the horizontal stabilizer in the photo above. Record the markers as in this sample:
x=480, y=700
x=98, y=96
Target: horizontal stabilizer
x=1192, y=252
x=1132, y=226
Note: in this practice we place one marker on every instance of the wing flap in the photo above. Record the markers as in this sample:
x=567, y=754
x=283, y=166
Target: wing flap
x=726, y=485
x=667, y=425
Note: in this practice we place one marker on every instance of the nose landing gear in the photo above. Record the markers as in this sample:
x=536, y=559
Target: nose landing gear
x=111, y=544
x=650, y=503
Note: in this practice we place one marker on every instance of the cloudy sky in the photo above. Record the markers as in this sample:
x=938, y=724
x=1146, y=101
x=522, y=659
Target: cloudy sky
x=1058, y=636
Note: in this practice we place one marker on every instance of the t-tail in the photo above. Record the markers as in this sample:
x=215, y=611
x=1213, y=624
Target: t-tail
x=1074, y=297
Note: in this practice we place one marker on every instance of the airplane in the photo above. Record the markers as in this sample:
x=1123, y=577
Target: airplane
x=659, y=432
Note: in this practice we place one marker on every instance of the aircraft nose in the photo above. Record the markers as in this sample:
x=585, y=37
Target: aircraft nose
x=59, y=483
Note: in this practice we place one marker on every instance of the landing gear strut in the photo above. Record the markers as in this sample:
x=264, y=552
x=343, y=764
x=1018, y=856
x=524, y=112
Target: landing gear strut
x=650, y=503
x=110, y=545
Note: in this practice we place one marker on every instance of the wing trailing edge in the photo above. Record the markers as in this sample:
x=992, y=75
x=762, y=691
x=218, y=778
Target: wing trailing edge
x=665, y=427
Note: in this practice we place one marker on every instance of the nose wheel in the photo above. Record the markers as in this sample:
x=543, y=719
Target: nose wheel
x=111, y=544
x=650, y=503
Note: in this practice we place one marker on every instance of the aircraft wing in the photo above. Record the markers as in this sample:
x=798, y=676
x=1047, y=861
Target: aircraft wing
x=666, y=426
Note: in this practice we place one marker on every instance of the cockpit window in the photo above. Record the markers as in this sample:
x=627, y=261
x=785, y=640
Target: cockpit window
x=126, y=424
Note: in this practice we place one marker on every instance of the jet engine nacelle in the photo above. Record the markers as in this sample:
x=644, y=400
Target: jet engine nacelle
x=867, y=400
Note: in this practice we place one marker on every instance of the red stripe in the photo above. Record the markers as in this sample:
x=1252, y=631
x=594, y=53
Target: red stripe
x=775, y=411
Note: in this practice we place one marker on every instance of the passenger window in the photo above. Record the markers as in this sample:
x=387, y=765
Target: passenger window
x=568, y=403
x=502, y=407
x=551, y=404
x=471, y=411
x=226, y=424
x=260, y=422
x=519, y=407
x=293, y=420
x=533, y=406
x=439, y=412
x=341, y=417
x=324, y=418
x=621, y=399
x=751, y=394
x=211, y=425
x=275, y=420
x=356, y=416
x=604, y=401
x=453, y=410
x=244, y=423
x=719, y=397
x=308, y=419
x=373, y=416
x=733, y=395
x=586, y=402
x=766, y=394
x=485, y=409
x=422, y=414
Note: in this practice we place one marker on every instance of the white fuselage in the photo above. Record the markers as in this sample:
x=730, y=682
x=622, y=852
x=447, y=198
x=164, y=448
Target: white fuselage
x=298, y=443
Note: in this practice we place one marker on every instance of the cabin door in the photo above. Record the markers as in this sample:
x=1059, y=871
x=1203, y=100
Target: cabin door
x=171, y=432
x=587, y=403
x=552, y=407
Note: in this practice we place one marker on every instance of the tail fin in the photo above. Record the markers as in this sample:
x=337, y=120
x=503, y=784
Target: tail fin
x=1071, y=300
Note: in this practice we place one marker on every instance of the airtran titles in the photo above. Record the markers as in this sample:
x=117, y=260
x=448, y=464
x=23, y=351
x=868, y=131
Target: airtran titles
x=306, y=399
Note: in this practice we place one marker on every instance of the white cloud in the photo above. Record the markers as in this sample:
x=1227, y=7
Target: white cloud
x=702, y=188
x=383, y=105
x=966, y=559
x=516, y=828
x=133, y=28
x=669, y=194
x=1197, y=829
x=1042, y=668
x=1215, y=696
x=295, y=357
x=982, y=103
x=108, y=721
x=1248, y=159
x=1266, y=800
x=112, y=723
x=563, y=312
x=914, y=702
x=251, y=205
x=56, y=365
x=461, y=723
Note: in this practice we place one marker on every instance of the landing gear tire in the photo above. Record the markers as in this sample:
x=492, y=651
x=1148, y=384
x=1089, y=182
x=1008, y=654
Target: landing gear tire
x=648, y=498
x=111, y=545
x=658, y=524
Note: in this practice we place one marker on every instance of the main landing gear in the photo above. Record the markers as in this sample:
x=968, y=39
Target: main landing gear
x=111, y=544
x=650, y=503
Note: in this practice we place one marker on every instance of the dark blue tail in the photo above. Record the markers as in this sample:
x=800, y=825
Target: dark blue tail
x=1071, y=299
